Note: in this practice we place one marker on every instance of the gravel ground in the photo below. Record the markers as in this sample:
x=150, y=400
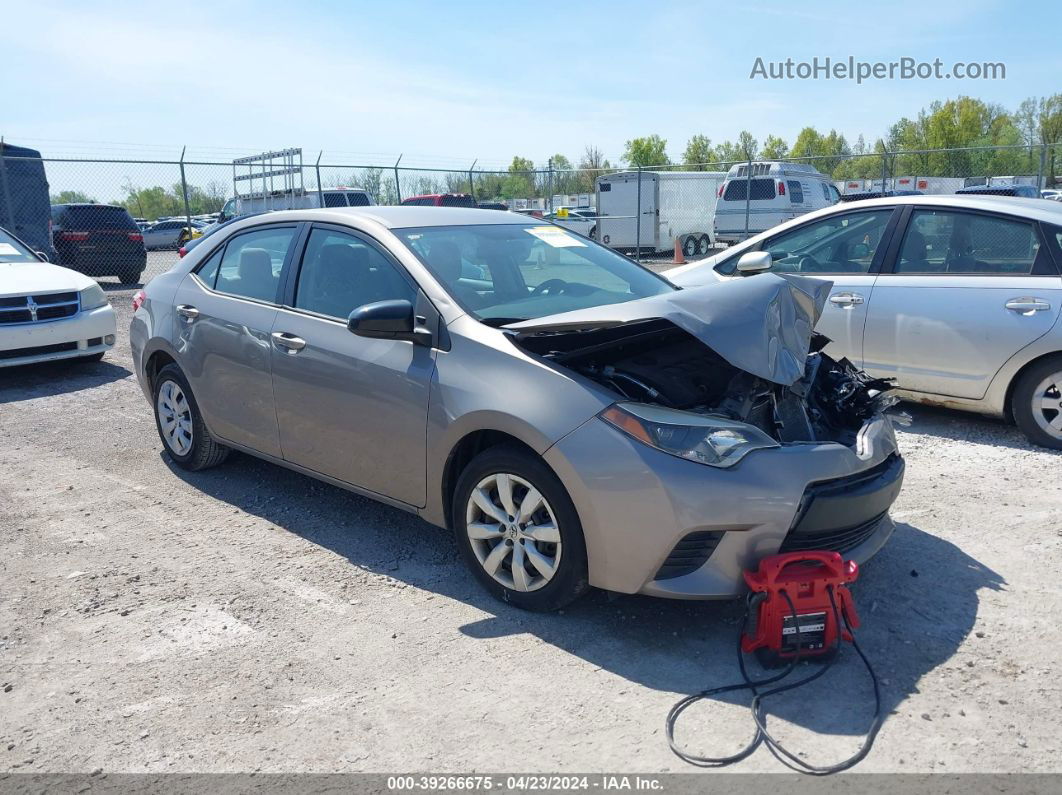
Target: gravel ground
x=248, y=618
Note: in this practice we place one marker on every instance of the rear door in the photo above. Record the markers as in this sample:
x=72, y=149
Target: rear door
x=225, y=312
x=961, y=293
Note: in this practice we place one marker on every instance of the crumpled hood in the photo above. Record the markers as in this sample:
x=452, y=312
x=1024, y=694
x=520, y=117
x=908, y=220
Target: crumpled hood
x=761, y=324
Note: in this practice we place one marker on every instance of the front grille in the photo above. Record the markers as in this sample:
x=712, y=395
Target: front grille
x=837, y=541
x=18, y=353
x=38, y=308
x=690, y=553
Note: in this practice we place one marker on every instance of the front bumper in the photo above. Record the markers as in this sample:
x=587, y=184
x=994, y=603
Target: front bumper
x=637, y=504
x=82, y=335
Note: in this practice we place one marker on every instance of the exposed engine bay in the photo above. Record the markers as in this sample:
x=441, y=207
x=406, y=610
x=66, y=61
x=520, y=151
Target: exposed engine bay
x=655, y=361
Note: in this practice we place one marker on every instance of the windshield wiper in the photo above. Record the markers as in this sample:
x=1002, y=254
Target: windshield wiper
x=497, y=322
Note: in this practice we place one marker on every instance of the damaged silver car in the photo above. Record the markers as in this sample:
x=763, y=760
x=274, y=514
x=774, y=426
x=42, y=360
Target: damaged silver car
x=574, y=418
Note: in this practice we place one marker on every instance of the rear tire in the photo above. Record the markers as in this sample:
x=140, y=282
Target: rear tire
x=689, y=246
x=540, y=532
x=180, y=425
x=129, y=277
x=1036, y=403
x=703, y=244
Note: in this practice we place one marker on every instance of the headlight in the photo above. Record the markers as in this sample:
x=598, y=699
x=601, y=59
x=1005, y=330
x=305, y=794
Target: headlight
x=715, y=441
x=93, y=297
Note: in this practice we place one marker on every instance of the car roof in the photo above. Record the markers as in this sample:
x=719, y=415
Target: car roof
x=403, y=216
x=1039, y=209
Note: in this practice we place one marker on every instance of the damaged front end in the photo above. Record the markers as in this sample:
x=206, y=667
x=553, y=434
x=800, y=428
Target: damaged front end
x=742, y=352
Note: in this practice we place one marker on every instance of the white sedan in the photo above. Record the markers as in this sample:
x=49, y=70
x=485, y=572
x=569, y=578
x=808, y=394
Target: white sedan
x=48, y=312
x=955, y=297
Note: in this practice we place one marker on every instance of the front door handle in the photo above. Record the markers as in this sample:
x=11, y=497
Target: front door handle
x=845, y=300
x=187, y=312
x=1027, y=306
x=289, y=342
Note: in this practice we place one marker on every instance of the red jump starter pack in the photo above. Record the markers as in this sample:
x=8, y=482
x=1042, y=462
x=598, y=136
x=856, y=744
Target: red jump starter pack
x=806, y=578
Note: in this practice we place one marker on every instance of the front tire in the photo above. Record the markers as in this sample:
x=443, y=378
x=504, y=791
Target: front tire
x=518, y=530
x=689, y=246
x=180, y=425
x=1037, y=403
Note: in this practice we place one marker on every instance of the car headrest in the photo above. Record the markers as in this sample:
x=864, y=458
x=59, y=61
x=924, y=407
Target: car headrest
x=255, y=264
x=445, y=258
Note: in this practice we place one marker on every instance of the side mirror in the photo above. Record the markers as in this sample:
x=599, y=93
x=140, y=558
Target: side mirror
x=42, y=255
x=754, y=262
x=388, y=320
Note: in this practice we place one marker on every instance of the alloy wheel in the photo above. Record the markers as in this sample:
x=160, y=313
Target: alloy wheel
x=513, y=532
x=1047, y=405
x=175, y=418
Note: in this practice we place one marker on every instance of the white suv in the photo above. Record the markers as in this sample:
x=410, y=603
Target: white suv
x=956, y=297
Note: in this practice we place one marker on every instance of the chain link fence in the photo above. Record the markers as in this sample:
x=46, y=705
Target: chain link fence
x=650, y=212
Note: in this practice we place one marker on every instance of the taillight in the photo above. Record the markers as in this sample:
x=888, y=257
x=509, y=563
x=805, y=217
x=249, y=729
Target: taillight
x=74, y=237
x=138, y=299
x=181, y=251
x=781, y=188
x=136, y=237
x=721, y=189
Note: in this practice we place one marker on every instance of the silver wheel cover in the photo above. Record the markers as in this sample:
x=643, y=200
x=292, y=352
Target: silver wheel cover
x=1047, y=405
x=175, y=417
x=513, y=532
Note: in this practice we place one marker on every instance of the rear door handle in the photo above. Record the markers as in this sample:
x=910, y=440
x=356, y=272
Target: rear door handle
x=189, y=312
x=1027, y=306
x=289, y=342
x=845, y=300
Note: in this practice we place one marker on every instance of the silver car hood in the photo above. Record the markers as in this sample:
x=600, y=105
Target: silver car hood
x=761, y=324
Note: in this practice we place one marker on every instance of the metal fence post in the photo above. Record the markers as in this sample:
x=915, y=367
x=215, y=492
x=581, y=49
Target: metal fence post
x=471, y=186
x=638, y=221
x=317, y=171
x=184, y=192
x=549, y=184
x=748, y=196
x=883, y=155
x=398, y=188
x=1039, y=174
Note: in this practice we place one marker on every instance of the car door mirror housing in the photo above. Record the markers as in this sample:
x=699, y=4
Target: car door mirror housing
x=388, y=320
x=754, y=262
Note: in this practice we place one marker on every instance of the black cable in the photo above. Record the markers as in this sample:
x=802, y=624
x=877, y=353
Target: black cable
x=759, y=714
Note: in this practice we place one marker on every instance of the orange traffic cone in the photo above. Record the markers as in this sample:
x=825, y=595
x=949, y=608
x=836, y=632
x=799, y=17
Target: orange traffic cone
x=679, y=259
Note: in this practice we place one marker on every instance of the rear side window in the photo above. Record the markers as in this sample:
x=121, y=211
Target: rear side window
x=826, y=192
x=251, y=264
x=335, y=200
x=762, y=190
x=96, y=216
x=208, y=271
x=358, y=199
x=457, y=201
x=796, y=192
x=954, y=242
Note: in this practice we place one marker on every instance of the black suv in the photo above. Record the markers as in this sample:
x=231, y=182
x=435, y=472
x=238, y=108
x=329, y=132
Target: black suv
x=98, y=240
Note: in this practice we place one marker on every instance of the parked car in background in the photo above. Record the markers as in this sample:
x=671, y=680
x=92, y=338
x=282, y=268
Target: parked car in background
x=170, y=234
x=292, y=199
x=673, y=204
x=48, y=312
x=1024, y=191
x=1054, y=195
x=610, y=411
x=24, y=200
x=99, y=240
x=492, y=206
x=877, y=194
x=580, y=221
x=441, y=200
x=956, y=297
x=776, y=191
x=207, y=232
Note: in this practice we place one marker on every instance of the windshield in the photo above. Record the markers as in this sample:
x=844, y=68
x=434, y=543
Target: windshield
x=13, y=251
x=501, y=273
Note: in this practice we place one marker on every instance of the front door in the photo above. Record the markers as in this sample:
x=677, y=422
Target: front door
x=352, y=408
x=968, y=290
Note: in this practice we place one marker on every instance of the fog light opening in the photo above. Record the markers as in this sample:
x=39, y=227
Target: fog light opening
x=109, y=339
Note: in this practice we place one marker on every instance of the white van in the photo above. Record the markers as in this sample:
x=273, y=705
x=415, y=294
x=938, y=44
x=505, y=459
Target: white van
x=778, y=193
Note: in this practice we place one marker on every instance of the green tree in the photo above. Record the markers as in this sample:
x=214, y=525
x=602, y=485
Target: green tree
x=72, y=197
x=774, y=148
x=698, y=153
x=747, y=144
x=520, y=183
x=647, y=151
x=591, y=166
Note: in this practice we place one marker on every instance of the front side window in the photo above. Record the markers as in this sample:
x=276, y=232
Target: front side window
x=944, y=241
x=251, y=263
x=341, y=272
x=507, y=272
x=843, y=243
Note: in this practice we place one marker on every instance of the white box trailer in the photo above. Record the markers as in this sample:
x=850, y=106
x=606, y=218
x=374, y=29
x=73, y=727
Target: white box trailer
x=674, y=204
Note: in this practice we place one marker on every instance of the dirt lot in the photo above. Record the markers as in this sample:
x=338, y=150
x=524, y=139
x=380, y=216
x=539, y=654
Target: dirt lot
x=248, y=618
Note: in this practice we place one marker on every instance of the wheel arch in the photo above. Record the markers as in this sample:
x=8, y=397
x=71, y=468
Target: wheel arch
x=1008, y=411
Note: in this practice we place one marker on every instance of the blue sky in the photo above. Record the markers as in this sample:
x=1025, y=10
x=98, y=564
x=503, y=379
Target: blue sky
x=449, y=82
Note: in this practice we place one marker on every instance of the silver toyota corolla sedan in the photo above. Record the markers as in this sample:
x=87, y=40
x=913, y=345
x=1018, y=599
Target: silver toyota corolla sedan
x=575, y=419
